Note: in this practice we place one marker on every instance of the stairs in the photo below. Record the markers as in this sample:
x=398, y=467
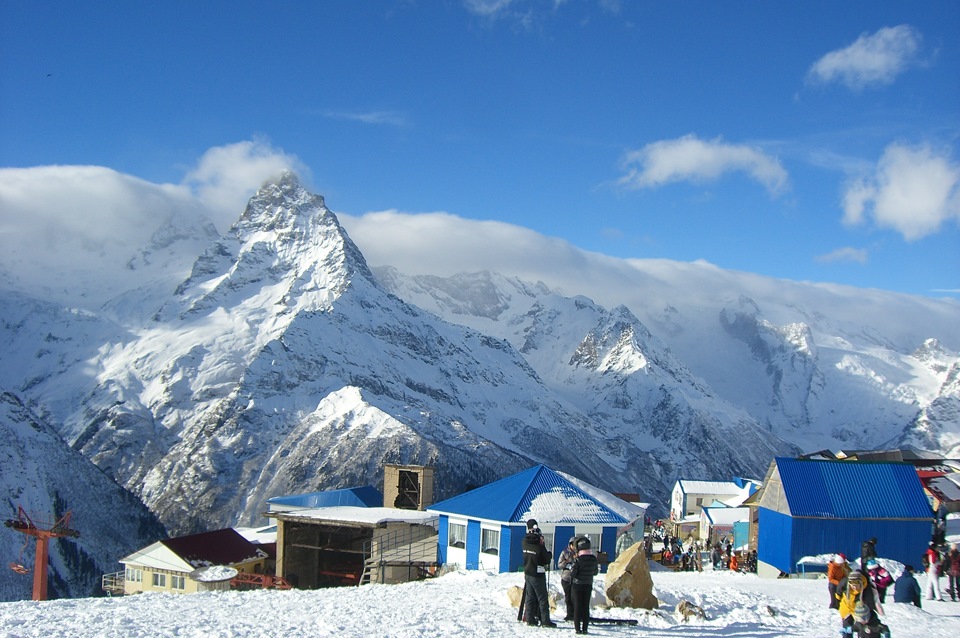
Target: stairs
x=400, y=555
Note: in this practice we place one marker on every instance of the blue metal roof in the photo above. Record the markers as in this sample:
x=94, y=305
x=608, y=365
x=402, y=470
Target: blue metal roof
x=538, y=492
x=849, y=489
x=366, y=496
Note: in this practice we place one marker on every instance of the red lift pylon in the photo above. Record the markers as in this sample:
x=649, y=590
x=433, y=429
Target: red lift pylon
x=25, y=525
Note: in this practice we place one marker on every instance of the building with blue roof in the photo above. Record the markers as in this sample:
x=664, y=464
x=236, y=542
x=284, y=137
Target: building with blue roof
x=484, y=528
x=816, y=507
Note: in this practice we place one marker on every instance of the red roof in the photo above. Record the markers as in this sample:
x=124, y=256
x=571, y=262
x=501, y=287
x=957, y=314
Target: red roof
x=220, y=547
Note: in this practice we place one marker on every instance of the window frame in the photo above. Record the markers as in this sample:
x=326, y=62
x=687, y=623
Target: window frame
x=457, y=535
x=488, y=545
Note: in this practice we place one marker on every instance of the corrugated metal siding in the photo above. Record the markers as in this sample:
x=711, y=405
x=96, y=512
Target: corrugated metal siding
x=853, y=490
x=774, y=540
x=546, y=484
x=495, y=501
x=510, y=500
x=902, y=541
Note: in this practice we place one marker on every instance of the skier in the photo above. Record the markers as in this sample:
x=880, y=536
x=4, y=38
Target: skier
x=536, y=557
x=584, y=568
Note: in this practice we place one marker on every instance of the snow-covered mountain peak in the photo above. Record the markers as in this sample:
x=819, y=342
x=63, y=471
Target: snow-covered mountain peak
x=286, y=253
x=936, y=357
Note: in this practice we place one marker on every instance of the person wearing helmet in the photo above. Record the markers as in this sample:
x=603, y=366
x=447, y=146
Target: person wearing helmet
x=584, y=568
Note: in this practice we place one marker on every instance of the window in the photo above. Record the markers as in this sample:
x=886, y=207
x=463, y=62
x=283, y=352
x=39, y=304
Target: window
x=458, y=535
x=490, y=541
x=159, y=580
x=133, y=575
x=178, y=582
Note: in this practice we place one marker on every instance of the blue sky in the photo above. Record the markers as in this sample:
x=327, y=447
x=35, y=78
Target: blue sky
x=802, y=140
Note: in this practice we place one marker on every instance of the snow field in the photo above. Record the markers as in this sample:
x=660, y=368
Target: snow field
x=461, y=604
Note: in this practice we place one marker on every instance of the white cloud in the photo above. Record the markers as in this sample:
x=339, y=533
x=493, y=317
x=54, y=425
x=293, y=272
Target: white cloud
x=390, y=118
x=875, y=59
x=487, y=8
x=691, y=159
x=225, y=177
x=77, y=231
x=913, y=191
x=845, y=254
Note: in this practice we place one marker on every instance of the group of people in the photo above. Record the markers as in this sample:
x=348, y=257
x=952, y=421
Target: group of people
x=939, y=562
x=858, y=594
x=578, y=565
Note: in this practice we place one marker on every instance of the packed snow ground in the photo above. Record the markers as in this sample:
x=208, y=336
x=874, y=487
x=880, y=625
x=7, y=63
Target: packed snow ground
x=463, y=604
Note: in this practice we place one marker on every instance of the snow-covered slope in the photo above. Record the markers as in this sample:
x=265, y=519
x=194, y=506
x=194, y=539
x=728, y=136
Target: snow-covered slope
x=814, y=380
x=280, y=364
x=48, y=479
x=471, y=604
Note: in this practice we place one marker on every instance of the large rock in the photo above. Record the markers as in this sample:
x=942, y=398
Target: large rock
x=628, y=582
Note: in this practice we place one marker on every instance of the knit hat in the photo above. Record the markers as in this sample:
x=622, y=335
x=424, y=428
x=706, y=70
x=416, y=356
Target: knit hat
x=531, y=523
x=839, y=559
x=583, y=543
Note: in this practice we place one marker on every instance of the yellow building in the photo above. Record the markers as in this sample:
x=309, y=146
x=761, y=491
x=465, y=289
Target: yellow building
x=166, y=565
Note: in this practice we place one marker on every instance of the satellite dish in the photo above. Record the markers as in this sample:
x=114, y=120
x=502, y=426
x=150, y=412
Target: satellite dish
x=213, y=574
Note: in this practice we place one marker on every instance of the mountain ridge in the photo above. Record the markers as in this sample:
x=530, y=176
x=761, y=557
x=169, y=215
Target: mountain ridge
x=282, y=362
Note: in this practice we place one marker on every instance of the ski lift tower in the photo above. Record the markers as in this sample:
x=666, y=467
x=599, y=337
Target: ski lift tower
x=25, y=525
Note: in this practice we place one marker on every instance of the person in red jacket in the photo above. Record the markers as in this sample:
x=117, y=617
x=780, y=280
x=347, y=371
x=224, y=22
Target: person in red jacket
x=880, y=578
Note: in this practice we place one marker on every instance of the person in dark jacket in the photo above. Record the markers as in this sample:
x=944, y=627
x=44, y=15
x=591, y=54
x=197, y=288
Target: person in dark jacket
x=953, y=572
x=906, y=589
x=535, y=561
x=584, y=568
x=868, y=550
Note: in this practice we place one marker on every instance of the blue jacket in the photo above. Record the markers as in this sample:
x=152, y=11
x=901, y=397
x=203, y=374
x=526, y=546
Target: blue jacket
x=906, y=589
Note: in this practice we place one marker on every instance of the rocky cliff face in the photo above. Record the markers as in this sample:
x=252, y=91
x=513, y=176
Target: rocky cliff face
x=48, y=479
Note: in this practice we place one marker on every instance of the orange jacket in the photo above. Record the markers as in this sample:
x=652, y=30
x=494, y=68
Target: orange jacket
x=837, y=572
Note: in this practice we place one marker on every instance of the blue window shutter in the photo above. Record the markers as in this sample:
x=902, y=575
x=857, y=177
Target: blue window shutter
x=608, y=544
x=443, y=533
x=561, y=536
x=473, y=544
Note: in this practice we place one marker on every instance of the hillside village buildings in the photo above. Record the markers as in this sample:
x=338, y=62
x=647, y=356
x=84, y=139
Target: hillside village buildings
x=804, y=508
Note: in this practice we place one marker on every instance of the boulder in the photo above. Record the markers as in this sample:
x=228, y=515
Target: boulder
x=628, y=582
